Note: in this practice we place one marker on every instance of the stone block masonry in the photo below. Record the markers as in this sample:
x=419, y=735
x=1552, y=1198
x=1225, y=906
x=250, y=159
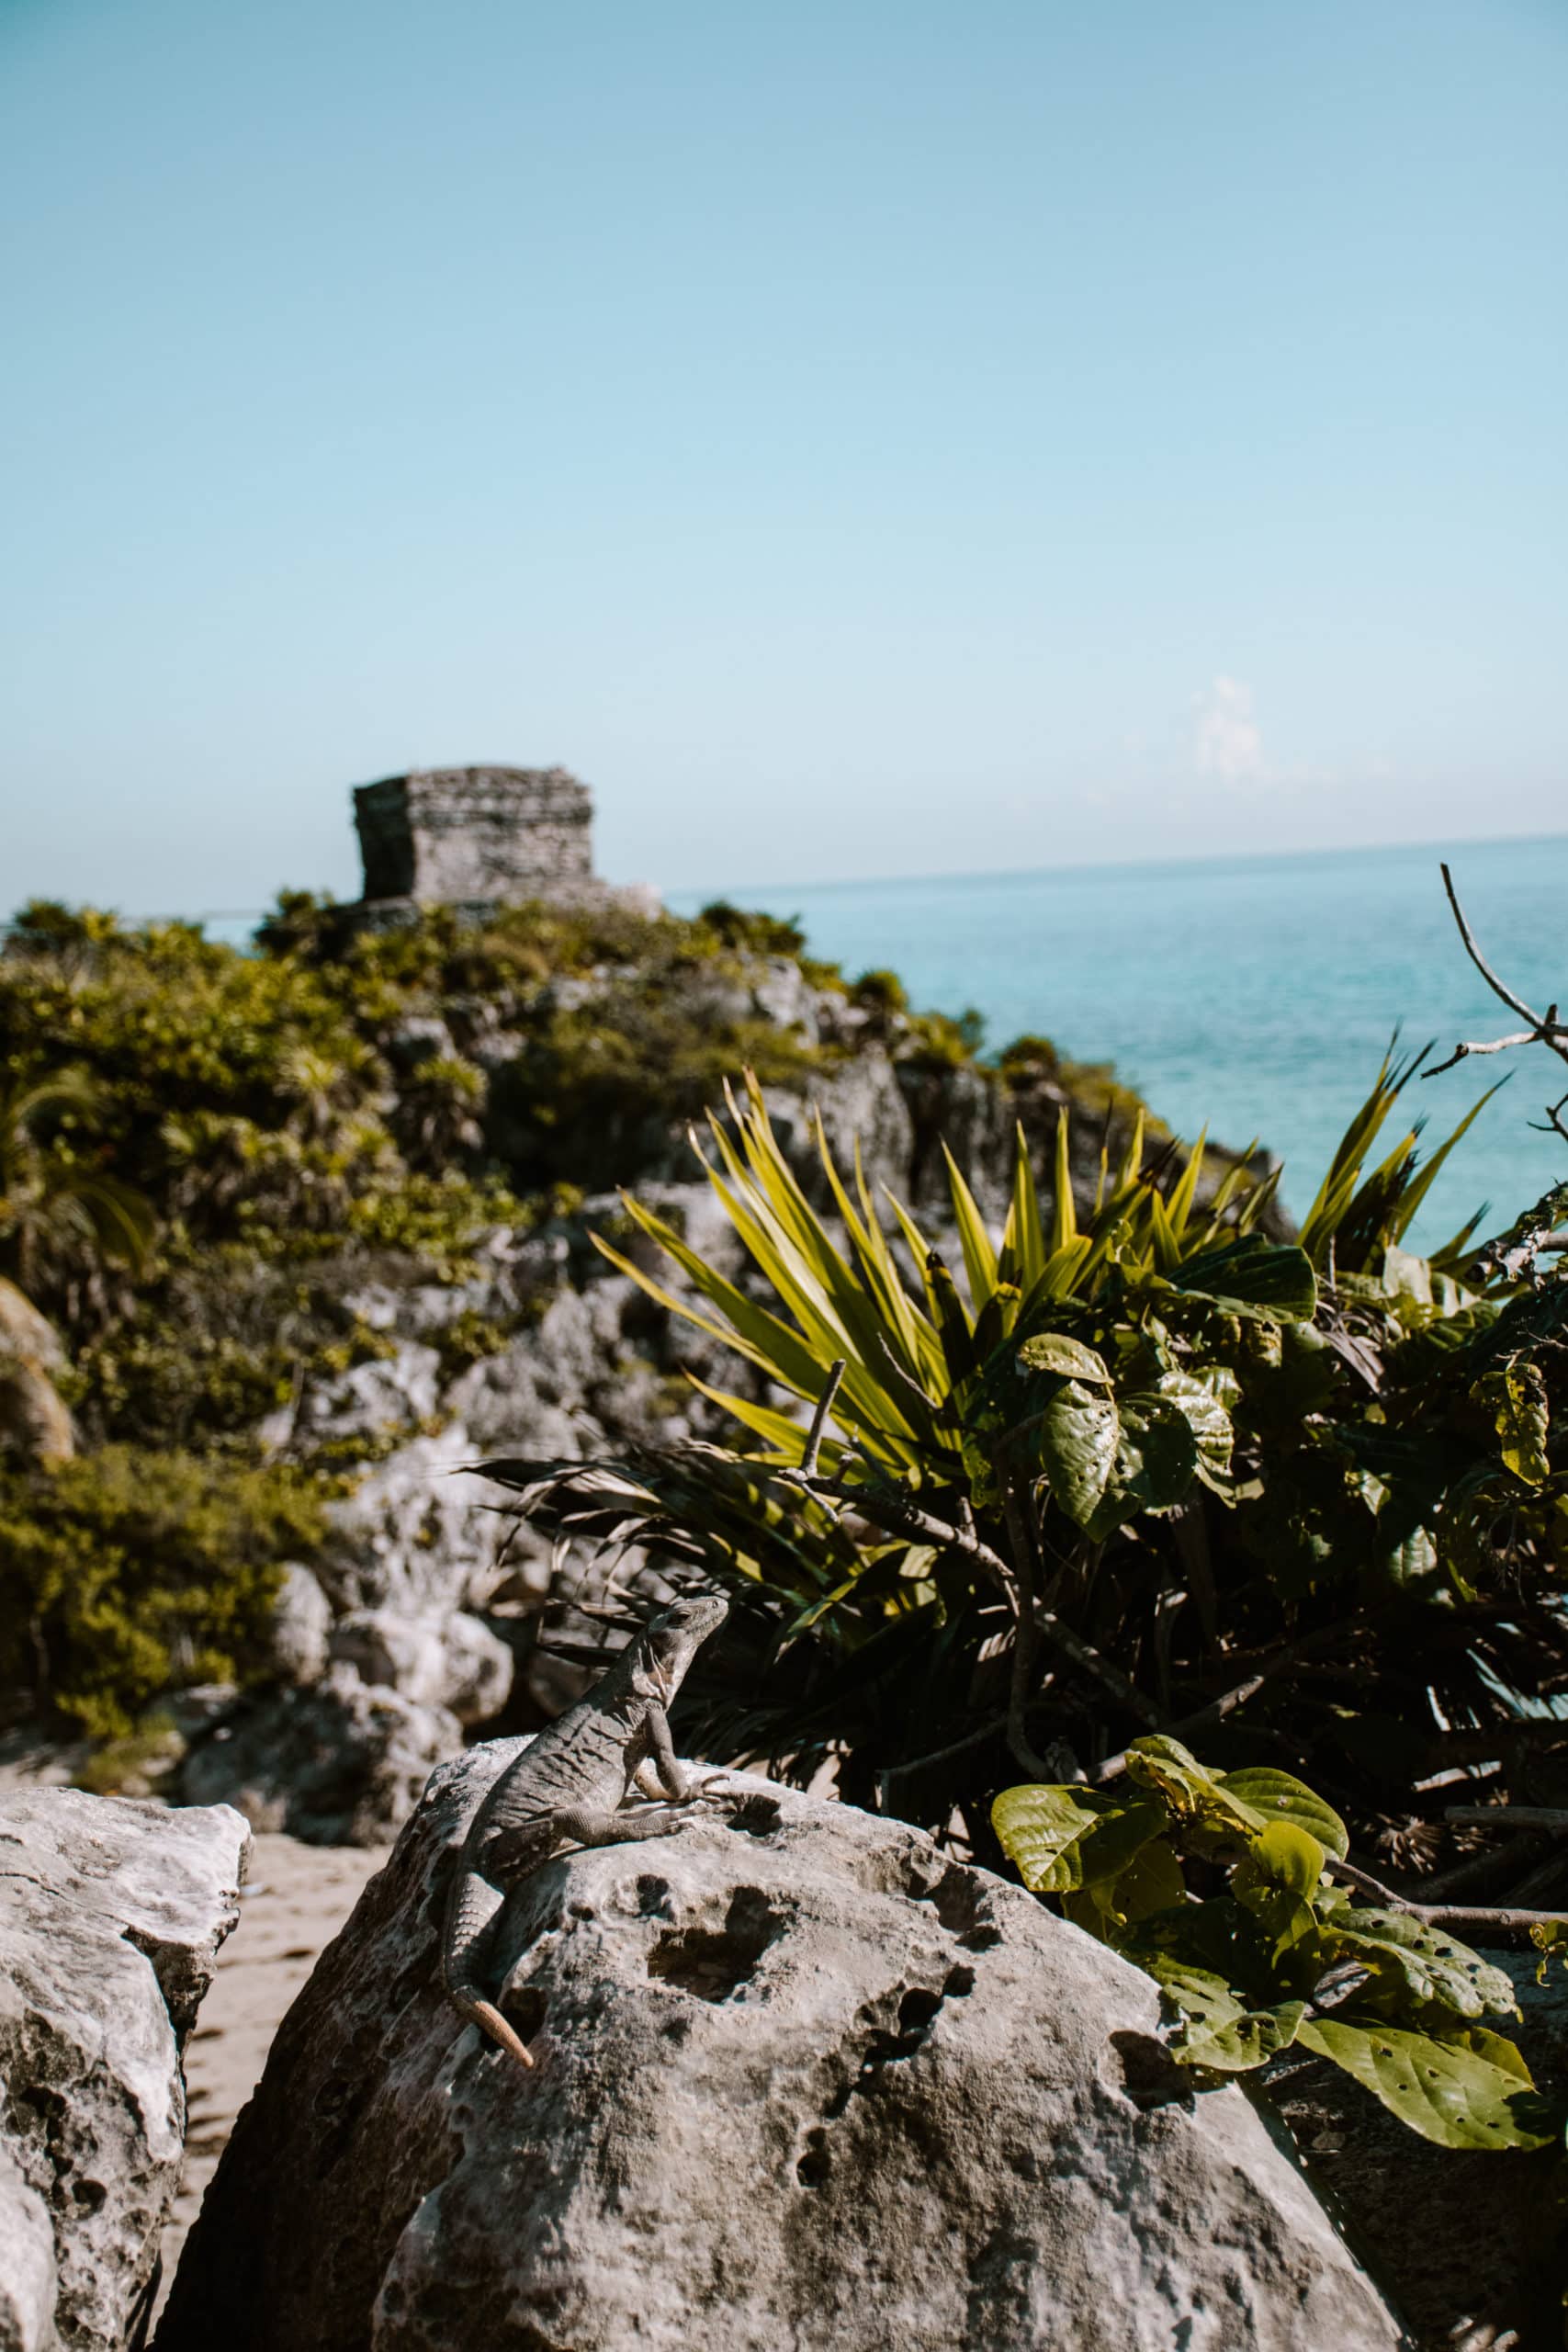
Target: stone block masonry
x=476, y=837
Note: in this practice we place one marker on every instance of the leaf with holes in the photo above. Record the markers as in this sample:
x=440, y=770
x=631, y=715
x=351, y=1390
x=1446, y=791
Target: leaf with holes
x=1078, y=1430
x=1054, y=1351
x=1422, y=1962
x=1465, y=2090
x=1249, y=2039
x=1515, y=1396
x=1155, y=1459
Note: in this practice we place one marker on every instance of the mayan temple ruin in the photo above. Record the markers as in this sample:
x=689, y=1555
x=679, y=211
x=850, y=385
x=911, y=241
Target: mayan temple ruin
x=476, y=839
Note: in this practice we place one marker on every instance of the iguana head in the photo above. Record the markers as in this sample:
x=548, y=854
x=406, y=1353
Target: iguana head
x=671, y=1640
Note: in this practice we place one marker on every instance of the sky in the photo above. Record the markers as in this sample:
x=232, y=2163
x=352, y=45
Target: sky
x=862, y=438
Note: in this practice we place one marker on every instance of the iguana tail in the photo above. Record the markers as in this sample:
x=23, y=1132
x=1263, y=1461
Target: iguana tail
x=472, y=1905
x=489, y=2017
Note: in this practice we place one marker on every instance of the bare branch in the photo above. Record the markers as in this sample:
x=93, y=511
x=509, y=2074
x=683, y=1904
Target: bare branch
x=836, y=1372
x=1498, y=987
x=1510, y=1817
x=1500, y=1919
x=1494, y=1045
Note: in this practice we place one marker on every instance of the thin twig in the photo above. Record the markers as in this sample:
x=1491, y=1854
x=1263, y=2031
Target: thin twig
x=1215, y=1710
x=1510, y=1817
x=836, y=1372
x=1441, y=1915
x=1498, y=987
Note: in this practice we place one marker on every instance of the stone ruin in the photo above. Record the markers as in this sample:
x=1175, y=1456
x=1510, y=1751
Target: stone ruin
x=477, y=839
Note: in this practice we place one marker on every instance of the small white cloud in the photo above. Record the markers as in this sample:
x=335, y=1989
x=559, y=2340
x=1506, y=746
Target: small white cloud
x=1228, y=742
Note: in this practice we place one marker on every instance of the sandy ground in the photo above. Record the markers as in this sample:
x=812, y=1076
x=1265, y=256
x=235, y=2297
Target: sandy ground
x=294, y=1902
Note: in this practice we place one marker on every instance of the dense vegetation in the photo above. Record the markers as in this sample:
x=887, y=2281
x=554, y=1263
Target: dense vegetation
x=203, y=1153
x=1157, y=1475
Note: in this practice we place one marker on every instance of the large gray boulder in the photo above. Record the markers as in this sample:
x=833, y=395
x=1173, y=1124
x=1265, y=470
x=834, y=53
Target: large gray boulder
x=111, y=1913
x=801, y=2082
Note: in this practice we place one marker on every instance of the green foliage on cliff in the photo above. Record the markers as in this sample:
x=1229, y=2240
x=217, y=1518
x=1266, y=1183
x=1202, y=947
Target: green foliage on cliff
x=134, y=1569
x=204, y=1152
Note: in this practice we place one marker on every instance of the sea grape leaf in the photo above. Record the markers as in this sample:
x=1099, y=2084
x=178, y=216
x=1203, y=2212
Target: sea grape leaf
x=1470, y=2089
x=1276, y=1796
x=1064, y=1838
x=1078, y=1434
x=1054, y=1351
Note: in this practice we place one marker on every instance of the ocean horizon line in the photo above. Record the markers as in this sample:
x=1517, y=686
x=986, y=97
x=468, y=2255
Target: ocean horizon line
x=1198, y=862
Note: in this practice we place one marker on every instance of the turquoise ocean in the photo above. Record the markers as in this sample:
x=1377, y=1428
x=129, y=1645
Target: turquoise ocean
x=1252, y=995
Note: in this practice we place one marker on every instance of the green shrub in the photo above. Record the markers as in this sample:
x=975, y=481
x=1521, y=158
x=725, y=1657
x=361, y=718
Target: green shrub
x=1091, y=1483
x=131, y=1572
x=1278, y=1954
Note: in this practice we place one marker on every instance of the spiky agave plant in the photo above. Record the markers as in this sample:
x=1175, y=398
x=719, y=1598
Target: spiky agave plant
x=929, y=1573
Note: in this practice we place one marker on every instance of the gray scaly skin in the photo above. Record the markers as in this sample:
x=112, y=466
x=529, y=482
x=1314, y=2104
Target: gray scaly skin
x=571, y=1785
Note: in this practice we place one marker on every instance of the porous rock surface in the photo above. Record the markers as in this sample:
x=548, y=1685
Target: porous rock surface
x=801, y=2082
x=111, y=1913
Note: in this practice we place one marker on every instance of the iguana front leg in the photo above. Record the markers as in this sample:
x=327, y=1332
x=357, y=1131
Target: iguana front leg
x=514, y=1853
x=664, y=1765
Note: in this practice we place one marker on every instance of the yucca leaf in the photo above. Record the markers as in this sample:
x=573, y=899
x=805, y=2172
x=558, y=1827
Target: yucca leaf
x=979, y=1256
x=1063, y=1217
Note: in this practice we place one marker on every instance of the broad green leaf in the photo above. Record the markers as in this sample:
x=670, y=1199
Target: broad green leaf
x=1465, y=2090
x=1423, y=1962
x=1515, y=1396
x=1248, y=2039
x=1062, y=1839
x=1151, y=1882
x=1078, y=1433
x=1197, y=1991
x=1276, y=1879
x=1269, y=1795
x=1054, y=1351
x=1158, y=1762
x=1205, y=1416
x=1281, y=1860
x=1156, y=1457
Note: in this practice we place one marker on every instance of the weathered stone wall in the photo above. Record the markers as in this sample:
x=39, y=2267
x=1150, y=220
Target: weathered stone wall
x=462, y=836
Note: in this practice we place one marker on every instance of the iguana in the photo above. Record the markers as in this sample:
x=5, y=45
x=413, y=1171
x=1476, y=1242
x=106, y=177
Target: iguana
x=570, y=1785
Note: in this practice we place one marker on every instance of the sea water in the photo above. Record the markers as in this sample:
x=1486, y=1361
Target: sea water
x=1252, y=995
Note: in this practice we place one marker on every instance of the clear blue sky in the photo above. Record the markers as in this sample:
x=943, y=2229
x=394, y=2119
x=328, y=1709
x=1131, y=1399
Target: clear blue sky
x=861, y=439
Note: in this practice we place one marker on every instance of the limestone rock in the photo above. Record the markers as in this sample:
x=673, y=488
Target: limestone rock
x=340, y=1764
x=111, y=1913
x=301, y=1622
x=801, y=2083
x=454, y=1662
x=28, y=2282
x=33, y=1415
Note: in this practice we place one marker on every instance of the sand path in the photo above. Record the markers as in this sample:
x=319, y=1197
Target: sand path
x=293, y=1902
